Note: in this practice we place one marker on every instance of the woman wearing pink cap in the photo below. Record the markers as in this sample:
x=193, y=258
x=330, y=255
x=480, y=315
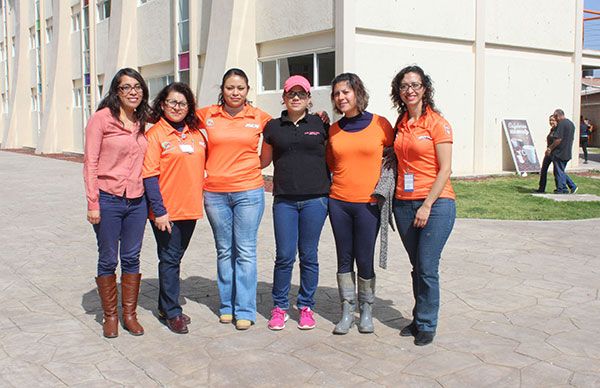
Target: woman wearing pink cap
x=295, y=142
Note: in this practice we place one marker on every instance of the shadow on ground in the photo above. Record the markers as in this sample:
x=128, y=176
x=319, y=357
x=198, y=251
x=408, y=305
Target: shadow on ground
x=197, y=289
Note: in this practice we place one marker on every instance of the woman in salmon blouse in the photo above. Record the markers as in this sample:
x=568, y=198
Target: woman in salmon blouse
x=354, y=155
x=234, y=196
x=424, y=206
x=112, y=169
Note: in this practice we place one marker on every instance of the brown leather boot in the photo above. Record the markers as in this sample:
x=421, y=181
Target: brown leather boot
x=130, y=289
x=107, y=288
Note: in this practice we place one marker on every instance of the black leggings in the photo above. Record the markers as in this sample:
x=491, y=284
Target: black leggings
x=583, y=142
x=355, y=227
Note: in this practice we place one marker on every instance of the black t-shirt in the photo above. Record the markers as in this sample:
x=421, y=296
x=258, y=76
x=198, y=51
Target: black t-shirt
x=565, y=130
x=300, y=169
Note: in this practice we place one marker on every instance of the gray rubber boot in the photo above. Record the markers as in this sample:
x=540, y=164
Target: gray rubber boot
x=366, y=297
x=346, y=287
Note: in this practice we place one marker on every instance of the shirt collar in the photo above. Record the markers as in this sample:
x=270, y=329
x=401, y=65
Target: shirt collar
x=286, y=119
x=422, y=121
x=248, y=111
x=168, y=129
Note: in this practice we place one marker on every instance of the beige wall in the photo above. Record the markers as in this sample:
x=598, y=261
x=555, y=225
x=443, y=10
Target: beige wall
x=489, y=60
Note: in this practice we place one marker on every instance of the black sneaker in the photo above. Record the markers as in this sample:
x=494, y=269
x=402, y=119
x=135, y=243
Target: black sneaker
x=409, y=331
x=573, y=191
x=539, y=191
x=424, y=338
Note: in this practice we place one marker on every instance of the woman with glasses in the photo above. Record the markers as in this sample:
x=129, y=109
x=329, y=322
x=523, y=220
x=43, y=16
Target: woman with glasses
x=234, y=196
x=112, y=169
x=354, y=155
x=424, y=206
x=173, y=178
x=295, y=142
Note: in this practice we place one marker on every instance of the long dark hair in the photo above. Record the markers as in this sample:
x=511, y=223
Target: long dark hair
x=191, y=120
x=230, y=73
x=356, y=84
x=427, y=95
x=112, y=101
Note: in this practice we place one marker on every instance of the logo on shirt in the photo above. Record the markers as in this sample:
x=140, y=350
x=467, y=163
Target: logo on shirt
x=251, y=125
x=166, y=145
x=311, y=133
x=210, y=122
x=424, y=137
x=447, y=129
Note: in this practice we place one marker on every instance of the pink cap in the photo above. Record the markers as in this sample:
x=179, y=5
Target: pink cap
x=296, y=80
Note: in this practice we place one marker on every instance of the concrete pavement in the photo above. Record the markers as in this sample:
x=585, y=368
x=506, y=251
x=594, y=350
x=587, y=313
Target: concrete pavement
x=520, y=306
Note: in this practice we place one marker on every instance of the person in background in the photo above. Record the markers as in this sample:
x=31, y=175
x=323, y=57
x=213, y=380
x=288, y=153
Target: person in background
x=354, y=155
x=547, y=159
x=424, y=206
x=584, y=131
x=173, y=177
x=560, y=152
x=234, y=197
x=112, y=168
x=295, y=142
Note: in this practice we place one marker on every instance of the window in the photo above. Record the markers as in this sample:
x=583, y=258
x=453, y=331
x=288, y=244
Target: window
x=103, y=9
x=49, y=30
x=157, y=83
x=75, y=19
x=318, y=68
x=76, y=97
x=184, y=26
x=31, y=38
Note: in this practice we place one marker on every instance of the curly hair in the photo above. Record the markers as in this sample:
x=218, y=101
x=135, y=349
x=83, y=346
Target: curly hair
x=356, y=84
x=113, y=102
x=427, y=95
x=230, y=73
x=191, y=119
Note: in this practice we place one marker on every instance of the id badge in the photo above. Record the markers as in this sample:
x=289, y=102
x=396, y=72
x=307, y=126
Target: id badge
x=409, y=182
x=187, y=148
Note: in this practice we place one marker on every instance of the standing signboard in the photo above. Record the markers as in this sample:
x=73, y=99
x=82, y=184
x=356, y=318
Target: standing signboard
x=521, y=145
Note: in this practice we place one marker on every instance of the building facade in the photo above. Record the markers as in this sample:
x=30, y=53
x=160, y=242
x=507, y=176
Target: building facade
x=489, y=60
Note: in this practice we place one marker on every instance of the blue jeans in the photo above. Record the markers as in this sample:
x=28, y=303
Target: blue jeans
x=298, y=226
x=560, y=176
x=424, y=247
x=234, y=219
x=355, y=228
x=122, y=221
x=170, y=248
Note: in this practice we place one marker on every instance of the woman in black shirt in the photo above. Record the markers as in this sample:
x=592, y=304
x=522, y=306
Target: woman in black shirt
x=547, y=159
x=295, y=142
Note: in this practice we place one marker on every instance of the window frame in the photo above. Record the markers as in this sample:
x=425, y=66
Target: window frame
x=278, y=58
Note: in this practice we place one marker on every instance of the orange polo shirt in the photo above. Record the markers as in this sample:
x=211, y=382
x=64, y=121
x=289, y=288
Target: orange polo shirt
x=178, y=160
x=233, y=164
x=416, y=153
x=354, y=159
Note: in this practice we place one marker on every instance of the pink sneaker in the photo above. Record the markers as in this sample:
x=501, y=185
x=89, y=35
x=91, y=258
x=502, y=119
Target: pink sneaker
x=307, y=320
x=278, y=319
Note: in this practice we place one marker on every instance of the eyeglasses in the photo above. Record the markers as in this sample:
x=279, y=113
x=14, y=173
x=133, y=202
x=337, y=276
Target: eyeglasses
x=128, y=88
x=415, y=86
x=300, y=95
x=176, y=104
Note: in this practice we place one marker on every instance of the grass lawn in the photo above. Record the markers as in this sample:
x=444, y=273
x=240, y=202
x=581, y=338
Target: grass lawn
x=509, y=198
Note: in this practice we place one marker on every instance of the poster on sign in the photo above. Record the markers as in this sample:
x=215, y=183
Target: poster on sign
x=521, y=145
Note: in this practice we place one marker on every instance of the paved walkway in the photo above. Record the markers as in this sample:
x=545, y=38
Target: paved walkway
x=520, y=307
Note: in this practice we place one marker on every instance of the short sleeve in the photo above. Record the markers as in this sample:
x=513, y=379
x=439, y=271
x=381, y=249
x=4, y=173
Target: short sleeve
x=153, y=154
x=441, y=131
x=559, y=133
x=267, y=132
x=388, y=131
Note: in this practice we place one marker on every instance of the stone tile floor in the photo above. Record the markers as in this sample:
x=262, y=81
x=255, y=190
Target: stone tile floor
x=520, y=307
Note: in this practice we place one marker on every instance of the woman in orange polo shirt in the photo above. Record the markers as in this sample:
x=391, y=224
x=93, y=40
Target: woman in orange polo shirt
x=424, y=206
x=112, y=170
x=234, y=197
x=354, y=153
x=173, y=177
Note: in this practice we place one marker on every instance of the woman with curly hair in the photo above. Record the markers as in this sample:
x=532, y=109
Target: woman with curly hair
x=173, y=177
x=112, y=170
x=424, y=206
